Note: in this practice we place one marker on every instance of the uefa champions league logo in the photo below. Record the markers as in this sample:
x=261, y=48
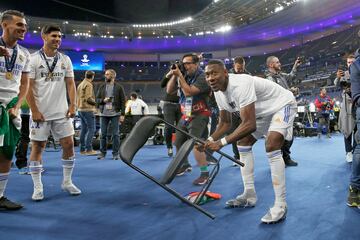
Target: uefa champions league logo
x=85, y=61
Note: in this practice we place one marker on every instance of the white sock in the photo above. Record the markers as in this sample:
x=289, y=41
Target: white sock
x=277, y=167
x=68, y=166
x=3, y=181
x=247, y=172
x=35, y=169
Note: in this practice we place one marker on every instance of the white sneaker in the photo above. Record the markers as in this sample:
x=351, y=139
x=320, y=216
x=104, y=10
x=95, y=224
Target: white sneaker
x=349, y=157
x=38, y=194
x=243, y=201
x=275, y=215
x=71, y=188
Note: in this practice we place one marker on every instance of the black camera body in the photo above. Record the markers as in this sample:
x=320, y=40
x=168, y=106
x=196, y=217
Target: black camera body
x=301, y=59
x=180, y=66
x=342, y=67
x=345, y=83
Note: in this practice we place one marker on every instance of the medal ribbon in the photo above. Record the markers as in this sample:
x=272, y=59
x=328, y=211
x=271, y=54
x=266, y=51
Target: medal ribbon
x=56, y=58
x=9, y=64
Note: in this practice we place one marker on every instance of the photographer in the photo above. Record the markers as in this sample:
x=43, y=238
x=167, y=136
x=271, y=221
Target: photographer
x=189, y=80
x=346, y=120
x=324, y=105
x=172, y=112
x=286, y=80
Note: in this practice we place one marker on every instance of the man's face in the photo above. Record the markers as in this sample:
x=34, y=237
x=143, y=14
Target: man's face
x=189, y=65
x=349, y=61
x=16, y=27
x=323, y=92
x=239, y=68
x=216, y=77
x=53, y=39
x=276, y=65
x=109, y=76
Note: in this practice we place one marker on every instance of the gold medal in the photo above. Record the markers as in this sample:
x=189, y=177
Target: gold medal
x=49, y=76
x=9, y=75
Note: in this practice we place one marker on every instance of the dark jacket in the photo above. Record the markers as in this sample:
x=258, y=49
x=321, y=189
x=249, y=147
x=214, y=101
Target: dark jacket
x=119, y=98
x=232, y=70
x=355, y=78
x=286, y=80
x=174, y=98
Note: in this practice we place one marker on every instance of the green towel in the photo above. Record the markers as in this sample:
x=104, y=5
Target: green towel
x=8, y=130
x=24, y=105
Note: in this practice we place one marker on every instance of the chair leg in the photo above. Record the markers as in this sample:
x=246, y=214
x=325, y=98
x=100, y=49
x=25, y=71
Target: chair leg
x=171, y=191
x=212, y=176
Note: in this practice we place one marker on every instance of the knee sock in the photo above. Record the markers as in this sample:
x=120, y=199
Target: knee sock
x=204, y=171
x=247, y=172
x=68, y=166
x=277, y=168
x=35, y=168
x=3, y=182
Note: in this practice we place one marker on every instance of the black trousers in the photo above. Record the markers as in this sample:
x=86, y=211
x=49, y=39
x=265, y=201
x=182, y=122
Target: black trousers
x=23, y=144
x=285, y=149
x=172, y=114
x=235, y=122
x=350, y=142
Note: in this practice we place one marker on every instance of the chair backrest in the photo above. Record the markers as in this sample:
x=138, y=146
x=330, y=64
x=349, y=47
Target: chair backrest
x=138, y=137
x=178, y=161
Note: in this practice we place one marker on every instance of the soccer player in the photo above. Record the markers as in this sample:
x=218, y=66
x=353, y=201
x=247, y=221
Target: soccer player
x=51, y=77
x=265, y=109
x=14, y=82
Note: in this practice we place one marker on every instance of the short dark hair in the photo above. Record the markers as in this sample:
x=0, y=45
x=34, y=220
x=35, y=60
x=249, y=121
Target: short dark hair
x=134, y=95
x=194, y=56
x=216, y=62
x=50, y=28
x=89, y=74
x=8, y=15
x=239, y=60
x=351, y=55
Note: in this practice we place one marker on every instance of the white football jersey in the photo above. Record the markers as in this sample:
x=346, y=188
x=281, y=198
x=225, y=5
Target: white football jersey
x=244, y=89
x=10, y=88
x=50, y=94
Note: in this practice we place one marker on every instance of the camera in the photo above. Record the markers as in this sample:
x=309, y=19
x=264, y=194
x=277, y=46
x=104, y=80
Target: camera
x=173, y=66
x=342, y=68
x=180, y=66
x=345, y=83
x=301, y=59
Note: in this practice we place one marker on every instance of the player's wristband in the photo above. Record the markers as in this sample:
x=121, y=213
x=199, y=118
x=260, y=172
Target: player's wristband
x=210, y=139
x=223, y=141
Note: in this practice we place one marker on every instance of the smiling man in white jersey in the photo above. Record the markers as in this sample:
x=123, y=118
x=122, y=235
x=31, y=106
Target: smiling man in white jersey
x=14, y=81
x=265, y=109
x=51, y=77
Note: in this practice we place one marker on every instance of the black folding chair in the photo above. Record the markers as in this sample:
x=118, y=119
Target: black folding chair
x=138, y=137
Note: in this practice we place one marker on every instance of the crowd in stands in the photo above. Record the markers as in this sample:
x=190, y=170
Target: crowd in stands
x=322, y=59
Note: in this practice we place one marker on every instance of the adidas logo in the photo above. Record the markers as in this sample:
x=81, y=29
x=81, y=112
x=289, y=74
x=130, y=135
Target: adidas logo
x=41, y=66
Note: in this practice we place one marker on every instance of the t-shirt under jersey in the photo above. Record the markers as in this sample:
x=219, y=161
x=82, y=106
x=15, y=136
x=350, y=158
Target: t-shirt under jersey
x=50, y=95
x=244, y=89
x=10, y=88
